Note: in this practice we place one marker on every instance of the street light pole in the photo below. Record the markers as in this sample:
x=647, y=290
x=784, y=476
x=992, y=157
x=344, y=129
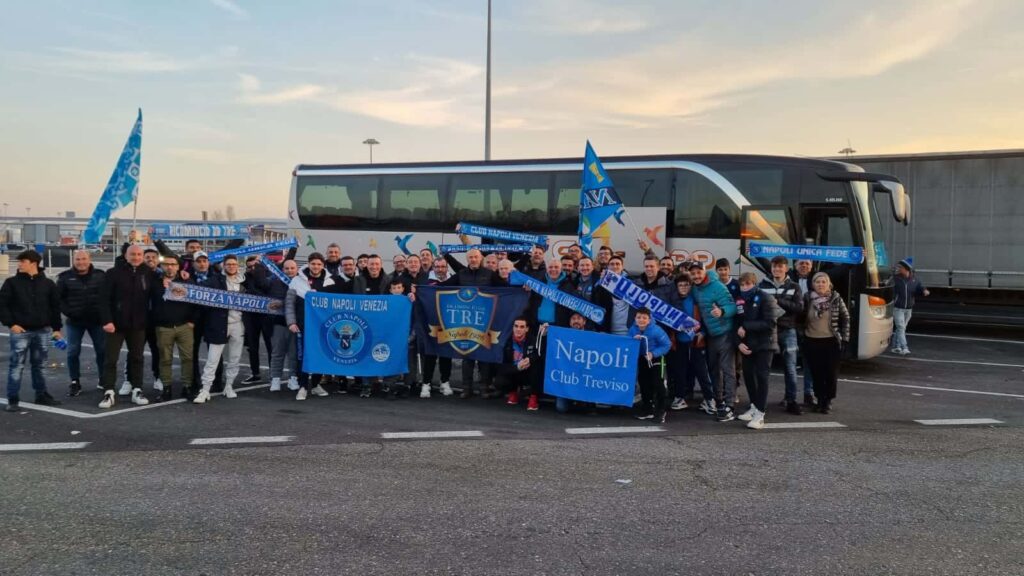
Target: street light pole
x=371, y=142
x=487, y=106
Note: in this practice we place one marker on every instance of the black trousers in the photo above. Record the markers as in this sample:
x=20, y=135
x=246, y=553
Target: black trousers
x=445, y=368
x=652, y=386
x=756, y=371
x=154, y=353
x=823, y=357
x=257, y=326
x=136, y=340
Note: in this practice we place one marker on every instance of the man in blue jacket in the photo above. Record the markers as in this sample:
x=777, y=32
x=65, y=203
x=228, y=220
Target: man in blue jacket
x=654, y=345
x=907, y=288
x=717, y=309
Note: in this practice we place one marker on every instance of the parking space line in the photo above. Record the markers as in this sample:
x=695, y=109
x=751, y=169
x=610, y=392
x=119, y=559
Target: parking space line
x=969, y=362
x=801, y=425
x=931, y=388
x=614, y=430
x=432, y=434
x=43, y=446
x=239, y=440
x=969, y=338
x=959, y=421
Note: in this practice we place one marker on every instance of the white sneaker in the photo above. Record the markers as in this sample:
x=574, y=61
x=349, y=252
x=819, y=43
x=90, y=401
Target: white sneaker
x=757, y=422
x=896, y=351
x=678, y=404
x=905, y=352
x=748, y=415
x=158, y=386
x=138, y=398
x=293, y=383
x=446, y=389
x=229, y=391
x=425, y=391
x=203, y=397
x=108, y=399
x=301, y=395
x=275, y=385
x=126, y=389
x=708, y=407
x=319, y=391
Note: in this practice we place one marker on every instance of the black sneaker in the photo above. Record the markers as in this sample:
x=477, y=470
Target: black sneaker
x=44, y=399
x=725, y=414
x=12, y=405
x=365, y=392
x=255, y=378
x=165, y=395
x=660, y=419
x=75, y=389
x=794, y=408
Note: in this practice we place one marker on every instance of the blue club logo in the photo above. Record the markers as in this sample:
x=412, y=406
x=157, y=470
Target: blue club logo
x=346, y=338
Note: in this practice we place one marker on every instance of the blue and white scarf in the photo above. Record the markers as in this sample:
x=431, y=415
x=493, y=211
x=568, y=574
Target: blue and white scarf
x=570, y=301
x=503, y=235
x=624, y=289
x=203, y=296
x=457, y=248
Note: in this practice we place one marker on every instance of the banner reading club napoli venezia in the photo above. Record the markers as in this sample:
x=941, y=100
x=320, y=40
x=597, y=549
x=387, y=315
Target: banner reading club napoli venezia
x=351, y=335
x=590, y=366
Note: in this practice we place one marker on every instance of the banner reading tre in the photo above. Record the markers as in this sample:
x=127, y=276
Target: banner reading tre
x=590, y=366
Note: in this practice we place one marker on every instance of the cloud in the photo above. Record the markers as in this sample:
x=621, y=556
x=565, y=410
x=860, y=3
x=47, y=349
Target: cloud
x=80, y=62
x=207, y=155
x=578, y=18
x=231, y=8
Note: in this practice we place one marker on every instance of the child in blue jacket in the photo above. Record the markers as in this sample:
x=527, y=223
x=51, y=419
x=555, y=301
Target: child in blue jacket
x=654, y=344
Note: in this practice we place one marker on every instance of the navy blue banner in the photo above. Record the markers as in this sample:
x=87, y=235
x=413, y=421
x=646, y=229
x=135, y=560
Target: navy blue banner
x=349, y=335
x=244, y=251
x=624, y=289
x=203, y=296
x=591, y=311
x=503, y=235
x=467, y=322
x=590, y=366
x=457, y=248
x=838, y=254
x=197, y=231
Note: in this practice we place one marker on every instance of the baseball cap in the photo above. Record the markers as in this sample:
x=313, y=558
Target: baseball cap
x=200, y=254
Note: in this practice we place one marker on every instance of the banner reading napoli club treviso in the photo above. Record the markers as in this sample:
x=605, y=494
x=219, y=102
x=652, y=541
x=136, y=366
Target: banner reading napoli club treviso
x=467, y=322
x=349, y=335
x=590, y=366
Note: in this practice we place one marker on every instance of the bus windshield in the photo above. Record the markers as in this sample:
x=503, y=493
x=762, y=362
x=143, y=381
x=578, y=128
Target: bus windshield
x=877, y=247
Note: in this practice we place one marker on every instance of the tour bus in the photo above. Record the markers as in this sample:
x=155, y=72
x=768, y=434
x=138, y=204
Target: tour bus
x=694, y=207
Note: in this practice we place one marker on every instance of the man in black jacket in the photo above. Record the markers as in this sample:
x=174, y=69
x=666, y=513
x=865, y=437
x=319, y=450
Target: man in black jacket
x=473, y=274
x=30, y=307
x=79, y=292
x=790, y=299
x=257, y=326
x=520, y=370
x=124, y=312
x=173, y=324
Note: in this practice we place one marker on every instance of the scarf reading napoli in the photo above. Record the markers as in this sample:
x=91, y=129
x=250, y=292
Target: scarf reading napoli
x=350, y=335
x=467, y=322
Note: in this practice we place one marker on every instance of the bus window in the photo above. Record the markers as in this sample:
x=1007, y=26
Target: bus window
x=411, y=202
x=642, y=187
x=703, y=209
x=518, y=199
x=565, y=217
x=528, y=209
x=759, y=184
x=337, y=201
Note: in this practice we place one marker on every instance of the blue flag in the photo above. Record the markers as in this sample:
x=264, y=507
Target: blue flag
x=467, y=322
x=590, y=366
x=122, y=188
x=351, y=335
x=598, y=199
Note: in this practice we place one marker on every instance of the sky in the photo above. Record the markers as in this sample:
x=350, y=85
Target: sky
x=235, y=93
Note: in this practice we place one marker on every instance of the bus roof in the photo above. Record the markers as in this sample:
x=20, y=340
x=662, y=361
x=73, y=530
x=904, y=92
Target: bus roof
x=789, y=160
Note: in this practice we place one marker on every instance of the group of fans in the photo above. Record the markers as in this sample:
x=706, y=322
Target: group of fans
x=743, y=325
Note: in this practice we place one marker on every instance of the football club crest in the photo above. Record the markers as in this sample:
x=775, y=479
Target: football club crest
x=345, y=338
x=465, y=316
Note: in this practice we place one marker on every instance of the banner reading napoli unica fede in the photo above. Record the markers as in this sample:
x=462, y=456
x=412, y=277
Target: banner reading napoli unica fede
x=467, y=321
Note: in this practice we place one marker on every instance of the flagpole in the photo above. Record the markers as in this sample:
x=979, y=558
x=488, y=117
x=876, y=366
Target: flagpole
x=635, y=229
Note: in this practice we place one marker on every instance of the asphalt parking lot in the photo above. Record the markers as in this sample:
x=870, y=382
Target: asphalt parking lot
x=917, y=470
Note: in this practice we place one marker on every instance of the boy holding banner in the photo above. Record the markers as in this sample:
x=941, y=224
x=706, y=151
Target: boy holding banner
x=654, y=344
x=400, y=384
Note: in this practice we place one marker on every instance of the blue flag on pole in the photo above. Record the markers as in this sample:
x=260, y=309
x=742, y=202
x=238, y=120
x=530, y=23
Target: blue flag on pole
x=467, y=322
x=122, y=188
x=590, y=366
x=598, y=199
x=352, y=335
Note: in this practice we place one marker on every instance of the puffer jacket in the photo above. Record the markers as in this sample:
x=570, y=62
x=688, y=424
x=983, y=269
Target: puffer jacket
x=80, y=295
x=840, y=316
x=757, y=315
x=789, y=297
x=30, y=302
x=712, y=292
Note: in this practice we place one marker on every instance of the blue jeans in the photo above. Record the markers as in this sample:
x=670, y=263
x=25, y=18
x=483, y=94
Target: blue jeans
x=31, y=346
x=788, y=347
x=75, y=333
x=900, y=317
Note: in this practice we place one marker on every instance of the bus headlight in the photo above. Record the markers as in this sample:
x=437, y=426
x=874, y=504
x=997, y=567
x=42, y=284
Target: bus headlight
x=877, y=307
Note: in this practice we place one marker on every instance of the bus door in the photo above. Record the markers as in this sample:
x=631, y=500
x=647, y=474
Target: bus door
x=772, y=224
x=831, y=226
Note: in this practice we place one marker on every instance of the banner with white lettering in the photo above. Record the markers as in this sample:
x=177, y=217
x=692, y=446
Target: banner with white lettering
x=625, y=289
x=466, y=321
x=353, y=335
x=589, y=310
x=244, y=251
x=203, y=296
x=500, y=234
x=837, y=254
x=590, y=366
x=197, y=231
x=458, y=248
